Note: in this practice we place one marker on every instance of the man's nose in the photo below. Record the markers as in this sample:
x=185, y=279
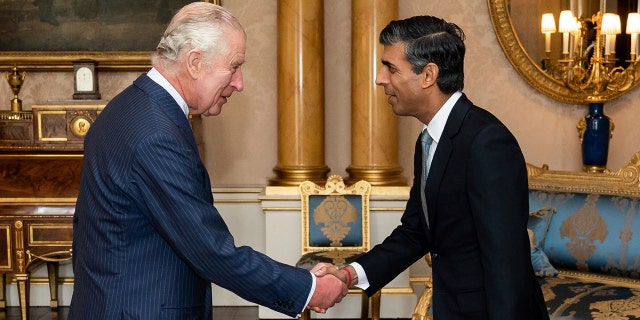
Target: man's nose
x=380, y=78
x=237, y=80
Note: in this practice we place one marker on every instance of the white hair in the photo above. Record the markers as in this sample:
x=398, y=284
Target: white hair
x=200, y=25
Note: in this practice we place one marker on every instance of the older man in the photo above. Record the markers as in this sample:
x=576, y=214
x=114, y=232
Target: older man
x=147, y=240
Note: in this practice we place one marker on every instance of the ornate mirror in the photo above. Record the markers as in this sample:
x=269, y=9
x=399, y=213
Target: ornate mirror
x=578, y=66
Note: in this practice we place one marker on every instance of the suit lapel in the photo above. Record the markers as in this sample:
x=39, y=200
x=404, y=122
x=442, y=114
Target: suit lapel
x=442, y=155
x=167, y=105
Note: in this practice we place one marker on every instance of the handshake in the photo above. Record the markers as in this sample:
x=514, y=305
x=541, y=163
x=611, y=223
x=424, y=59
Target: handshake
x=332, y=284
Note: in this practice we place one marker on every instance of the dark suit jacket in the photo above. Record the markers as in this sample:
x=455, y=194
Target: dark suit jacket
x=477, y=198
x=148, y=241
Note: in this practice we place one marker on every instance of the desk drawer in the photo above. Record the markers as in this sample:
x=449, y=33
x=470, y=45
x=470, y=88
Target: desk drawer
x=49, y=234
x=5, y=247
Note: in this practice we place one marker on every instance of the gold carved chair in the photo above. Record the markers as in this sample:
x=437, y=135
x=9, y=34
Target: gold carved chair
x=421, y=311
x=335, y=229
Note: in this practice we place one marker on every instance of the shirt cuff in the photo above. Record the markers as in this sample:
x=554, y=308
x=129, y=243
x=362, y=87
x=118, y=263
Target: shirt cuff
x=313, y=289
x=363, y=282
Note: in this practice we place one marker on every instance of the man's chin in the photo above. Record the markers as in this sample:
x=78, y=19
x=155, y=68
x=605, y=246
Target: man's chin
x=213, y=111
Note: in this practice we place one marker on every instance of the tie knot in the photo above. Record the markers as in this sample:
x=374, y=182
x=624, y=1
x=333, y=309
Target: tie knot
x=426, y=138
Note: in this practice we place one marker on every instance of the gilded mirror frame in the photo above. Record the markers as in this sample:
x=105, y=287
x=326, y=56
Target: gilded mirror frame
x=522, y=62
x=63, y=60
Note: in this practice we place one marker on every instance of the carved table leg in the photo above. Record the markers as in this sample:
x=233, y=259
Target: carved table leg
x=364, y=308
x=375, y=305
x=52, y=268
x=23, y=284
x=305, y=315
x=3, y=291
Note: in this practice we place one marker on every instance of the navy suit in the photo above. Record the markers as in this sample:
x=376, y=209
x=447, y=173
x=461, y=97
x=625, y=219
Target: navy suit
x=477, y=201
x=148, y=241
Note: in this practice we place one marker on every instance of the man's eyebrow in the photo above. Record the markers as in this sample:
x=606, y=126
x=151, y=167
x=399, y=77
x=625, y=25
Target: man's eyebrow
x=387, y=63
x=238, y=63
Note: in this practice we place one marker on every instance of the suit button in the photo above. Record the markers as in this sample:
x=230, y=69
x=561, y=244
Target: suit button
x=434, y=256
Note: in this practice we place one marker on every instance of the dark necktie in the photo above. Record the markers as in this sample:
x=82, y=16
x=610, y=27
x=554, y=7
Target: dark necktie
x=426, y=144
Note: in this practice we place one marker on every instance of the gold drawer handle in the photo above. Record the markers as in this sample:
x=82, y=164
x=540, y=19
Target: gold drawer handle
x=51, y=256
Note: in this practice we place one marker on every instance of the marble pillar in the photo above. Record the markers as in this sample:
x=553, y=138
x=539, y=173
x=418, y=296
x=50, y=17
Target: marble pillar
x=374, y=127
x=300, y=93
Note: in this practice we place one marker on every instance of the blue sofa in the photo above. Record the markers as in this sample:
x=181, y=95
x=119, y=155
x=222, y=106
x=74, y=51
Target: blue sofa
x=585, y=232
x=585, y=243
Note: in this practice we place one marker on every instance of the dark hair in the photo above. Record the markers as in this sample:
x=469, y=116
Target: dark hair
x=430, y=39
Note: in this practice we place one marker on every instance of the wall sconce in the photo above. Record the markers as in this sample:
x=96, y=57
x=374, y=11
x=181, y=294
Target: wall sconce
x=593, y=73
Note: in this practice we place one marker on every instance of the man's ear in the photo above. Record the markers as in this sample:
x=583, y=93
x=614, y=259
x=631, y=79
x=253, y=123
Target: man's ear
x=429, y=74
x=194, y=62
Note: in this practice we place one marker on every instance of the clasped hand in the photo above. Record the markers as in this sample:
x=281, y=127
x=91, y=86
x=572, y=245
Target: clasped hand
x=330, y=287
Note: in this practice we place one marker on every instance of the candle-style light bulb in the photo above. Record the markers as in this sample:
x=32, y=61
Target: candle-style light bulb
x=566, y=25
x=633, y=28
x=610, y=28
x=548, y=26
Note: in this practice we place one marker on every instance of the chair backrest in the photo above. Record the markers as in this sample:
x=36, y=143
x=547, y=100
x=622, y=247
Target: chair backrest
x=335, y=217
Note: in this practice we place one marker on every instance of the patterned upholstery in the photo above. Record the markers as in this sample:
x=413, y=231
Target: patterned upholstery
x=592, y=232
x=335, y=228
x=592, y=240
x=336, y=221
x=568, y=298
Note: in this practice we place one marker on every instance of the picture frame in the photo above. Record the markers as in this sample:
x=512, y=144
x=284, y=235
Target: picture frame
x=110, y=32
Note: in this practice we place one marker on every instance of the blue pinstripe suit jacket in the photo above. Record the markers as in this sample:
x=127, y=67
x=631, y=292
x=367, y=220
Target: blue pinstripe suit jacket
x=147, y=239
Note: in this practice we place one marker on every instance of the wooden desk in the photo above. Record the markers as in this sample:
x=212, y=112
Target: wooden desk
x=38, y=191
x=30, y=235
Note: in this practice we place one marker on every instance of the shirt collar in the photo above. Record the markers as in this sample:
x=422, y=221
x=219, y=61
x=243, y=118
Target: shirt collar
x=436, y=125
x=158, y=78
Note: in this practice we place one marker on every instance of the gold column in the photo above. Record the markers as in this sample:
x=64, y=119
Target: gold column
x=300, y=93
x=374, y=126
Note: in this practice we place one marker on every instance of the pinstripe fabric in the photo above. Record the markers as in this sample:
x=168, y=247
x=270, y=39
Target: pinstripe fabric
x=147, y=240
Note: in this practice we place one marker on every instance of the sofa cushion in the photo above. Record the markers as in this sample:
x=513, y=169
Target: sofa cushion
x=537, y=226
x=541, y=265
x=538, y=223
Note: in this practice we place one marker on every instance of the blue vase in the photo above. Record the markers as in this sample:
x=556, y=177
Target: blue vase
x=595, y=133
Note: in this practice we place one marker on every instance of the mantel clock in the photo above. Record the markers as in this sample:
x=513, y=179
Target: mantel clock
x=85, y=80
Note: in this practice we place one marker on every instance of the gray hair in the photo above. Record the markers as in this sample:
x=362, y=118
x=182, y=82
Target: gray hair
x=200, y=25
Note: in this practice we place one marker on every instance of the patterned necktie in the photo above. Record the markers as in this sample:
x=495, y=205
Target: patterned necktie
x=426, y=144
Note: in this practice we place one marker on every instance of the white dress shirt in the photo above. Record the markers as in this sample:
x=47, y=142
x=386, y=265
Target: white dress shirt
x=164, y=83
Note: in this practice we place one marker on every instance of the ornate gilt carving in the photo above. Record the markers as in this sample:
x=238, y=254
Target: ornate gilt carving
x=623, y=182
x=56, y=256
x=19, y=240
x=335, y=186
x=79, y=123
x=529, y=70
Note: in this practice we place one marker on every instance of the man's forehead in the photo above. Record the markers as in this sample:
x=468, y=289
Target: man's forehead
x=237, y=49
x=393, y=53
